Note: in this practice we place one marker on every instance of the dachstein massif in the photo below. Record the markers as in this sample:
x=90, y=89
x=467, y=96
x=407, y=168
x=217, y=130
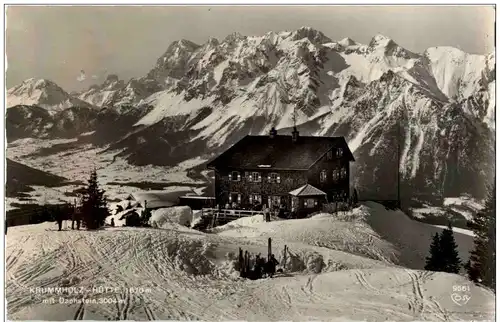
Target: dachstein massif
x=432, y=110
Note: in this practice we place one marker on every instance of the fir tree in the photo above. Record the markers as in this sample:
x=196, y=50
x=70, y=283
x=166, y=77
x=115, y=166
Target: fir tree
x=481, y=266
x=449, y=251
x=434, y=261
x=93, y=204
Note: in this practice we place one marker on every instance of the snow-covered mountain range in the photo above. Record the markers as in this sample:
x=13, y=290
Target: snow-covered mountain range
x=42, y=93
x=438, y=107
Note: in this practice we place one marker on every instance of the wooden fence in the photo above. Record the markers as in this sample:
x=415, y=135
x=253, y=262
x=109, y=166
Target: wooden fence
x=229, y=212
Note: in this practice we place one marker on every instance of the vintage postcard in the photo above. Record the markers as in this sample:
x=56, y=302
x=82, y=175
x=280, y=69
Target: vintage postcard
x=256, y=163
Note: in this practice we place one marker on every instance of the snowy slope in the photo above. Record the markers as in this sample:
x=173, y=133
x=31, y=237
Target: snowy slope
x=185, y=274
x=118, y=94
x=458, y=74
x=370, y=230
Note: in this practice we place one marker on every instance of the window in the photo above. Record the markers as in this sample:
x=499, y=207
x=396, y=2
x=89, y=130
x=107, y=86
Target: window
x=329, y=155
x=254, y=177
x=335, y=175
x=343, y=173
x=235, y=176
x=340, y=152
x=322, y=176
x=235, y=198
x=274, y=178
x=310, y=203
x=255, y=199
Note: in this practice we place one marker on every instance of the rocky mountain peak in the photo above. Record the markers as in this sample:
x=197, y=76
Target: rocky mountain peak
x=380, y=40
x=346, y=42
x=315, y=36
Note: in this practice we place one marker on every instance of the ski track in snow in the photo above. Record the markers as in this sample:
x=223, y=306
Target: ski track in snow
x=189, y=278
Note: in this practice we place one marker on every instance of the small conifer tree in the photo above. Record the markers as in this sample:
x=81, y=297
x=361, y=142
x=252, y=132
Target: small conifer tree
x=449, y=251
x=434, y=261
x=94, y=209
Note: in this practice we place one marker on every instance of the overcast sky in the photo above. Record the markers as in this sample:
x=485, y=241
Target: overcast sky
x=58, y=42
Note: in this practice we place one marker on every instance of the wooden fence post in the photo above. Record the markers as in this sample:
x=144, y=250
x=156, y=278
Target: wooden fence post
x=284, y=258
x=247, y=262
x=269, y=250
x=240, y=260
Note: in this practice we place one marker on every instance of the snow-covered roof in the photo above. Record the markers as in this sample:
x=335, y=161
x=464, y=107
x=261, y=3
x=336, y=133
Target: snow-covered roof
x=197, y=197
x=307, y=190
x=158, y=199
x=127, y=213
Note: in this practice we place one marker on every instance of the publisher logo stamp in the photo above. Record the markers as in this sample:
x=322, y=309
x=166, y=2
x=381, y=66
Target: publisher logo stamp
x=461, y=294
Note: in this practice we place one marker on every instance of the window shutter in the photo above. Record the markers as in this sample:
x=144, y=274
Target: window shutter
x=249, y=176
x=239, y=198
x=230, y=198
x=269, y=177
x=239, y=177
x=260, y=178
x=279, y=179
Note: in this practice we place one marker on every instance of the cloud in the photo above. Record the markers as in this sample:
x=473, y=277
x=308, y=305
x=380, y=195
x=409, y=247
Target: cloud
x=82, y=76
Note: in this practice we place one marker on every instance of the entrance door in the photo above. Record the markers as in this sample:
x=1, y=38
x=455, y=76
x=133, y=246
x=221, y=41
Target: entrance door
x=274, y=201
x=234, y=199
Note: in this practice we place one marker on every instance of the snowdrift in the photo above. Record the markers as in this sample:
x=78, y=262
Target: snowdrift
x=369, y=230
x=165, y=217
x=349, y=233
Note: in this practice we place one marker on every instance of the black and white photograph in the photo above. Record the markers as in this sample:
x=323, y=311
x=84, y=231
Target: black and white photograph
x=244, y=162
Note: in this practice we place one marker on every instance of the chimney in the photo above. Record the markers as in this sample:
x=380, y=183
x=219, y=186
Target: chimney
x=295, y=134
x=273, y=133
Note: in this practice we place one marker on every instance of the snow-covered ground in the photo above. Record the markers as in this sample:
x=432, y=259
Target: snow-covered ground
x=176, y=273
x=77, y=164
x=369, y=230
x=463, y=205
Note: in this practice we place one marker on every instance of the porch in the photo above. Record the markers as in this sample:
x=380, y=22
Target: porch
x=306, y=200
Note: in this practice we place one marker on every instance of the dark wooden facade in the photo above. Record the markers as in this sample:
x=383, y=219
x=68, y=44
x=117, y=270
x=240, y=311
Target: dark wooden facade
x=336, y=181
x=246, y=188
x=326, y=167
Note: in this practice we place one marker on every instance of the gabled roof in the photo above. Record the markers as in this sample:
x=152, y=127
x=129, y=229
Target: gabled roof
x=307, y=190
x=279, y=152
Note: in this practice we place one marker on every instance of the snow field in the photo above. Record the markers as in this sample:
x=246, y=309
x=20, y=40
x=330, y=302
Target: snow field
x=187, y=274
x=369, y=230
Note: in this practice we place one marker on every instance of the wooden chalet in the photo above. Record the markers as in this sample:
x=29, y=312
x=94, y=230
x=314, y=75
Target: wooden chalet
x=282, y=171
